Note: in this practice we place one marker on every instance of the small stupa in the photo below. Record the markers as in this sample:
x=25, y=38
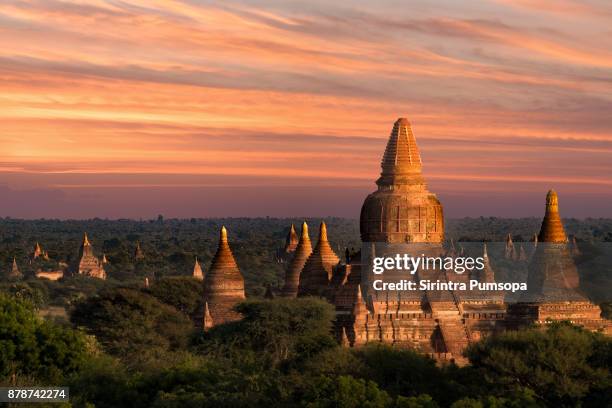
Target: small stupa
x=15, y=273
x=301, y=254
x=292, y=240
x=207, y=321
x=317, y=272
x=224, y=284
x=197, y=270
x=38, y=252
x=138, y=254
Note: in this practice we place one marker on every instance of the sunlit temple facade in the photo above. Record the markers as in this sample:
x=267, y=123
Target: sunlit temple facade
x=440, y=324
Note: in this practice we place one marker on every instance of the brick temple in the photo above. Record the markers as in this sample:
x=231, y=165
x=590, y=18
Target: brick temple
x=441, y=323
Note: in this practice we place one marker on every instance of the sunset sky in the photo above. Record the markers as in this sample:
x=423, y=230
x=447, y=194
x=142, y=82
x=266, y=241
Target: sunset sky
x=194, y=108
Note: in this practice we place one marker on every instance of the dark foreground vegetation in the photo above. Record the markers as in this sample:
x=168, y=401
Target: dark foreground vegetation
x=129, y=347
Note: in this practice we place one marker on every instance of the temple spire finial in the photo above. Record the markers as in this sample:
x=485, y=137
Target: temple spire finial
x=552, y=228
x=323, y=232
x=223, y=235
x=344, y=341
x=207, y=320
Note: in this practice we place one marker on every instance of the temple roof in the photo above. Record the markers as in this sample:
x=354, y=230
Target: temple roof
x=292, y=240
x=15, y=272
x=197, y=270
x=317, y=271
x=224, y=258
x=401, y=157
x=207, y=320
x=552, y=228
x=301, y=254
x=224, y=284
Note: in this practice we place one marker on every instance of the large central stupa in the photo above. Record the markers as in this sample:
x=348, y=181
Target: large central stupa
x=402, y=209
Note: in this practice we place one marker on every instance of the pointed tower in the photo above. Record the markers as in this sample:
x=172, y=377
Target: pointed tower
x=553, y=283
x=104, y=260
x=197, y=270
x=361, y=316
x=38, y=251
x=344, y=341
x=317, y=272
x=15, y=273
x=207, y=321
x=302, y=252
x=402, y=209
x=553, y=276
x=224, y=284
x=291, y=242
x=487, y=275
x=509, y=252
x=552, y=229
x=89, y=265
x=138, y=254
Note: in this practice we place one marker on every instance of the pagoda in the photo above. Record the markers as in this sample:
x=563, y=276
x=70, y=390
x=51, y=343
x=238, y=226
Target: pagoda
x=294, y=269
x=138, y=254
x=403, y=211
x=316, y=275
x=291, y=242
x=224, y=284
x=553, y=283
x=197, y=270
x=15, y=273
x=88, y=264
x=38, y=252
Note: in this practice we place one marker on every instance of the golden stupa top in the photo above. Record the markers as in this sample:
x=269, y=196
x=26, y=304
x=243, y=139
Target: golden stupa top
x=304, y=247
x=223, y=257
x=292, y=239
x=552, y=228
x=401, y=160
x=85, y=240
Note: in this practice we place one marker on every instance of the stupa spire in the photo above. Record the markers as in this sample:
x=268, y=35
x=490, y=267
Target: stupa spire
x=38, y=251
x=318, y=269
x=207, y=320
x=302, y=252
x=344, y=341
x=86, y=240
x=15, y=272
x=197, y=270
x=224, y=284
x=292, y=240
x=401, y=162
x=552, y=228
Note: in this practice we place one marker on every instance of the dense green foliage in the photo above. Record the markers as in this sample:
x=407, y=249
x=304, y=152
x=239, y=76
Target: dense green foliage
x=131, y=323
x=563, y=365
x=31, y=348
x=282, y=354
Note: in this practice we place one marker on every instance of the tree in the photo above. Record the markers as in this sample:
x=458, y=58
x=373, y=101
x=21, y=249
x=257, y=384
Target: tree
x=345, y=392
x=35, y=348
x=562, y=365
x=130, y=323
x=279, y=330
x=183, y=292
